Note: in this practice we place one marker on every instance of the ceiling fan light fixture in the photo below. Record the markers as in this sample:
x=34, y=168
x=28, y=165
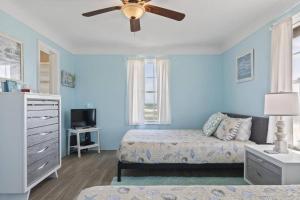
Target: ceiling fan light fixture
x=133, y=10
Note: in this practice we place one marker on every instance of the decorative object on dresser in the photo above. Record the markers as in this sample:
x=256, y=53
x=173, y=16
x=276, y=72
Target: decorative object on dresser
x=281, y=104
x=10, y=86
x=262, y=168
x=32, y=124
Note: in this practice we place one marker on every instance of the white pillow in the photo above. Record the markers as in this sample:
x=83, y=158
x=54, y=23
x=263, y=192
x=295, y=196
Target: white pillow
x=244, y=131
x=228, y=129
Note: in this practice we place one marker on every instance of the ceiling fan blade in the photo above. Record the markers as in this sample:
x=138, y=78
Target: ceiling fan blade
x=135, y=25
x=101, y=11
x=165, y=12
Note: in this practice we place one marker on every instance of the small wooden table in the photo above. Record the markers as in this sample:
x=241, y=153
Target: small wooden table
x=77, y=132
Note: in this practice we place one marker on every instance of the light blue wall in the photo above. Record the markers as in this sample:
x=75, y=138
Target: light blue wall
x=248, y=97
x=196, y=92
x=200, y=85
x=30, y=38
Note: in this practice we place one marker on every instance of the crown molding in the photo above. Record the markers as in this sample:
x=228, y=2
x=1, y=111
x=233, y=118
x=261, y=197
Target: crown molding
x=260, y=23
x=115, y=49
x=155, y=50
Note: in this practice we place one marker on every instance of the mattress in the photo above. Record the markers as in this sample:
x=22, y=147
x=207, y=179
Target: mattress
x=191, y=192
x=178, y=146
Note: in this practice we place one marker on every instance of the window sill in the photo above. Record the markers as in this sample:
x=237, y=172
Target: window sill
x=156, y=123
x=150, y=123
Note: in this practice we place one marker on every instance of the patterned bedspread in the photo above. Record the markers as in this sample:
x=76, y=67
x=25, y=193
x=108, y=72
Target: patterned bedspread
x=192, y=193
x=178, y=146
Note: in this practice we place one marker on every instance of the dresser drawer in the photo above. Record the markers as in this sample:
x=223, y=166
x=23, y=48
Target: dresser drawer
x=41, y=167
x=43, y=129
x=37, y=152
x=264, y=163
x=37, y=139
x=42, y=113
x=41, y=134
x=41, y=121
x=33, y=105
x=262, y=172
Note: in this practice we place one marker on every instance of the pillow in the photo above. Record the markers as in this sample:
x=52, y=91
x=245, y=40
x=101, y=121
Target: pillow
x=228, y=129
x=244, y=132
x=212, y=123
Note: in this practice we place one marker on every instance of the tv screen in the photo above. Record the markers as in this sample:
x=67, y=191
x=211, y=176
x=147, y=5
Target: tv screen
x=83, y=118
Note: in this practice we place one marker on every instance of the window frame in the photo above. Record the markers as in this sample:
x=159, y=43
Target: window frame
x=295, y=126
x=153, y=61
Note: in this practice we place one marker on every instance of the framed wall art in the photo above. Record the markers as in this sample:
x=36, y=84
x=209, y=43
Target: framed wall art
x=11, y=58
x=245, y=67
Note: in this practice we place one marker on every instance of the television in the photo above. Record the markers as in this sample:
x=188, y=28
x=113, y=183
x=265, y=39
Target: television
x=83, y=118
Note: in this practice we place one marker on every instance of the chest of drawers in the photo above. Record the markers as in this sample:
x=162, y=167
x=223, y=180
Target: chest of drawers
x=30, y=127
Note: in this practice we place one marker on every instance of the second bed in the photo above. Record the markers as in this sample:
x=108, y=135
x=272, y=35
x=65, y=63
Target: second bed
x=182, y=149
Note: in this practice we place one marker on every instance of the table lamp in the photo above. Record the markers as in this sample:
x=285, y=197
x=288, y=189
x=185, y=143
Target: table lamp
x=281, y=104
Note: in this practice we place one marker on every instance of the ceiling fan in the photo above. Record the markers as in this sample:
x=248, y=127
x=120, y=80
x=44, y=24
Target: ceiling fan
x=135, y=9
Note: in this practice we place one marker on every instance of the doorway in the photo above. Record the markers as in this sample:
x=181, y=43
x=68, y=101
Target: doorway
x=48, y=70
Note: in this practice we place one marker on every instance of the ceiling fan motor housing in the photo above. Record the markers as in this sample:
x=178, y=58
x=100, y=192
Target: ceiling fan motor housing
x=133, y=10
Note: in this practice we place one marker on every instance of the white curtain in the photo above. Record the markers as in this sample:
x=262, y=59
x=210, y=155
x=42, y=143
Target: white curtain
x=135, y=87
x=163, y=91
x=281, y=73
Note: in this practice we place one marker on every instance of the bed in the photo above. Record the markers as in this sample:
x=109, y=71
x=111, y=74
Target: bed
x=178, y=146
x=291, y=192
x=185, y=149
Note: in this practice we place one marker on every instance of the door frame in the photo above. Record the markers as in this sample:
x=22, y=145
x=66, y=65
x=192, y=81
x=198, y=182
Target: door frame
x=48, y=49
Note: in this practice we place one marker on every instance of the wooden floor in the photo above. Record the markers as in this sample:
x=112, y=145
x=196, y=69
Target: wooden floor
x=94, y=169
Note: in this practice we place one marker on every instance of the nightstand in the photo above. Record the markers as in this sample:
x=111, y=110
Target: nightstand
x=261, y=168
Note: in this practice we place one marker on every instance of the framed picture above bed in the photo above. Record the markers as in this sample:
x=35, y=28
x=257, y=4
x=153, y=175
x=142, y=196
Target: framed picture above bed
x=245, y=66
x=11, y=58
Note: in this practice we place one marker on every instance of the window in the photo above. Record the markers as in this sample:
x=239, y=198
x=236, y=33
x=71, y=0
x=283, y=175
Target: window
x=148, y=91
x=296, y=81
x=150, y=106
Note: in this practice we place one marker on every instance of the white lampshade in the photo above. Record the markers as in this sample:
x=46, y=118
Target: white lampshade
x=282, y=104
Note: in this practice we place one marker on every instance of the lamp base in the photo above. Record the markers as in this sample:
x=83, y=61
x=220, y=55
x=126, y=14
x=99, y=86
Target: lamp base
x=281, y=147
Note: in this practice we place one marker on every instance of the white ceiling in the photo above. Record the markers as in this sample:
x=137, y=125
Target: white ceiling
x=210, y=26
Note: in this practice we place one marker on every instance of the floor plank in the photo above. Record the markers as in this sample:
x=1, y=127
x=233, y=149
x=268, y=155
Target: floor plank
x=91, y=169
x=94, y=169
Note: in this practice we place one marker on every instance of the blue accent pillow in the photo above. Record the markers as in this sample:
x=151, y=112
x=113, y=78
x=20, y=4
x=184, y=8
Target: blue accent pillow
x=213, y=123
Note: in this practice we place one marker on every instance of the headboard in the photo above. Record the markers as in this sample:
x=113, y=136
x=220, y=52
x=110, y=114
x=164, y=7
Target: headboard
x=259, y=130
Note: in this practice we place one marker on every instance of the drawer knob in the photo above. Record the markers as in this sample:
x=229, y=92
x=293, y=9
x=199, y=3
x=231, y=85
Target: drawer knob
x=42, y=150
x=258, y=174
x=42, y=166
x=45, y=133
x=45, y=117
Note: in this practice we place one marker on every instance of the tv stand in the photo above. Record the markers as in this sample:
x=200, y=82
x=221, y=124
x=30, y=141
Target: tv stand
x=80, y=147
